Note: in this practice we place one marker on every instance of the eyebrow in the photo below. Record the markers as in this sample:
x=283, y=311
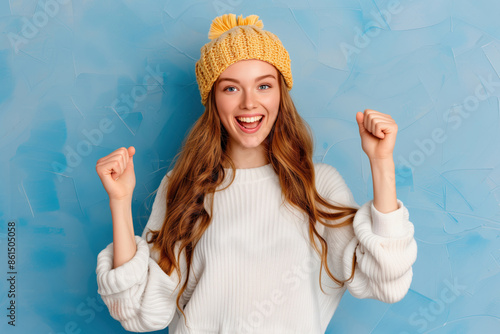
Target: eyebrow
x=256, y=79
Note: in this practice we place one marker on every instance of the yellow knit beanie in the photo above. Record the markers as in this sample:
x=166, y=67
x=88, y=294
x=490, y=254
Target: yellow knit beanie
x=234, y=39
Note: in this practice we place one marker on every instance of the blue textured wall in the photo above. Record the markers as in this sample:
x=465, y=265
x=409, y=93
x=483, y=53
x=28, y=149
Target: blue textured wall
x=79, y=79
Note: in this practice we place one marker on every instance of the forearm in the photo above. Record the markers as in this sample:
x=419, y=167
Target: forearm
x=384, y=185
x=124, y=246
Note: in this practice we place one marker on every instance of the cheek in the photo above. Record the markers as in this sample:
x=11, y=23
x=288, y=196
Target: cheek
x=274, y=105
x=222, y=109
x=224, y=120
x=225, y=105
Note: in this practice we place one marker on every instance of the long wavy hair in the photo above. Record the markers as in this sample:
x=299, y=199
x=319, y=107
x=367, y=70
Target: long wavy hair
x=198, y=171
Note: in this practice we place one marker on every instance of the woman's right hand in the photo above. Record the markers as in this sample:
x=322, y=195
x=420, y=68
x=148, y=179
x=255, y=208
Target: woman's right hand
x=116, y=171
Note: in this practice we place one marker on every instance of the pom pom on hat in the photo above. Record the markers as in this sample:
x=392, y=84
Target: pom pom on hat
x=225, y=22
x=250, y=41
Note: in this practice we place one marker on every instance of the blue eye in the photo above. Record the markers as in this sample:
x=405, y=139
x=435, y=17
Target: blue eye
x=230, y=87
x=265, y=86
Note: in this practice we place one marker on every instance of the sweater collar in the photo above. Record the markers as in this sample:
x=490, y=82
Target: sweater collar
x=245, y=175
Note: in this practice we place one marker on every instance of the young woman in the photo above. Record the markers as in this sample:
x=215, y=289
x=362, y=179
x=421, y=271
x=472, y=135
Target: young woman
x=247, y=234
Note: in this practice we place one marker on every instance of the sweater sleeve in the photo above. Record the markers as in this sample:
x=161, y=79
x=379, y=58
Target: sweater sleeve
x=384, y=243
x=139, y=294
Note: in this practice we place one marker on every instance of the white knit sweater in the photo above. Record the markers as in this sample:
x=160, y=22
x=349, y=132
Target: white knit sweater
x=254, y=269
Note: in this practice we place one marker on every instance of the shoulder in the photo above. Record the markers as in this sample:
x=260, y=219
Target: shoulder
x=164, y=180
x=326, y=173
x=161, y=191
x=158, y=209
x=329, y=182
x=322, y=168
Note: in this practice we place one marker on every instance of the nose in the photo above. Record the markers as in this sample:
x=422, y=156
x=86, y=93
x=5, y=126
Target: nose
x=248, y=100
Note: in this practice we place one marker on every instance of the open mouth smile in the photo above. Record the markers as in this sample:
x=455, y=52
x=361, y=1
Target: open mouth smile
x=249, y=124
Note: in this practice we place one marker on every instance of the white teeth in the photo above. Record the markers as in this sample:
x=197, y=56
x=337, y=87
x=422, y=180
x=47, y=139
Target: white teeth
x=249, y=119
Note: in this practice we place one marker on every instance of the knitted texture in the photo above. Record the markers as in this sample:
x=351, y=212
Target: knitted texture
x=256, y=257
x=234, y=39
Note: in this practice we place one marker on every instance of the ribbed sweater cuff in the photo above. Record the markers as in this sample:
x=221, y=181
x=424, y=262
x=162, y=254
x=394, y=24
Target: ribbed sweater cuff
x=112, y=281
x=391, y=224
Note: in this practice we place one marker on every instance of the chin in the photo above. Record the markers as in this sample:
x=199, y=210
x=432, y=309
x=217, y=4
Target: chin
x=250, y=145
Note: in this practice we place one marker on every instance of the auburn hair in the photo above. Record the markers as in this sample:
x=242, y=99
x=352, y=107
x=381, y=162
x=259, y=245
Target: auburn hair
x=198, y=171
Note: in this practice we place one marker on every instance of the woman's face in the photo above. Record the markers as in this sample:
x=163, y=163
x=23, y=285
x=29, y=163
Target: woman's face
x=247, y=96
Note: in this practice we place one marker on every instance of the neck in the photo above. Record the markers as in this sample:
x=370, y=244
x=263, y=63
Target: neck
x=244, y=158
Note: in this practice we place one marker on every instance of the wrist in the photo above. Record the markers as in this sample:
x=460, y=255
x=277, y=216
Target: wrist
x=385, y=164
x=384, y=160
x=121, y=212
x=120, y=202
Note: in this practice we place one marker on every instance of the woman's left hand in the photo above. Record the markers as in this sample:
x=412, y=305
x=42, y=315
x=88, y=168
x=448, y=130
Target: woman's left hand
x=378, y=134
